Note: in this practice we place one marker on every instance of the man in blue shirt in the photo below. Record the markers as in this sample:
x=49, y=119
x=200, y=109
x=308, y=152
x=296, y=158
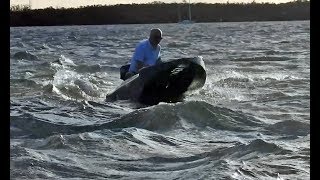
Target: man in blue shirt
x=147, y=53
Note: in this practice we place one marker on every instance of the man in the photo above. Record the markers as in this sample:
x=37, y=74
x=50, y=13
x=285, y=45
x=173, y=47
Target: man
x=147, y=53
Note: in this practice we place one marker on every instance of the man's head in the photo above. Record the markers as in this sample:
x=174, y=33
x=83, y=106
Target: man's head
x=155, y=36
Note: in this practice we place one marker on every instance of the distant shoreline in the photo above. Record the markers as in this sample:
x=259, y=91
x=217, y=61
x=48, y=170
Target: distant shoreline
x=154, y=23
x=160, y=13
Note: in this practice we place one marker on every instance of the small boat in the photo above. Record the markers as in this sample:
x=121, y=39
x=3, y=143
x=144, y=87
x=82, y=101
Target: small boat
x=165, y=82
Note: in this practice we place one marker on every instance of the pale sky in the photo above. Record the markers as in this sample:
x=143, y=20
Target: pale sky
x=37, y=4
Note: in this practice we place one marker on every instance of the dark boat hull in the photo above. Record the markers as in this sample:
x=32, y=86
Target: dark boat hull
x=164, y=82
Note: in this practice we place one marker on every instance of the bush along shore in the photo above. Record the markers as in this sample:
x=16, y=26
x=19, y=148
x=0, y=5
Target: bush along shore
x=158, y=12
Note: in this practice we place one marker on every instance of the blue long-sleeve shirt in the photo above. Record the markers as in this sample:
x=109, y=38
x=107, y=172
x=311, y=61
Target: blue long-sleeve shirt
x=144, y=53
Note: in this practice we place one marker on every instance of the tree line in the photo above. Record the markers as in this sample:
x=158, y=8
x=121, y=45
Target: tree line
x=158, y=12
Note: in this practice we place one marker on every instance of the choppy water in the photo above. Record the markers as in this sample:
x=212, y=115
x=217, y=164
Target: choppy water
x=249, y=121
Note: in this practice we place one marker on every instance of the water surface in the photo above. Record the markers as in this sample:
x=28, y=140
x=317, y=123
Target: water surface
x=251, y=119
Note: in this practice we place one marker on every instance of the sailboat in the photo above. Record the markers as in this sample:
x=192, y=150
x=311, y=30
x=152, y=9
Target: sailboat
x=186, y=21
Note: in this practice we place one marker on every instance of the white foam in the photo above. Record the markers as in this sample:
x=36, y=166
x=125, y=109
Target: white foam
x=63, y=77
x=66, y=61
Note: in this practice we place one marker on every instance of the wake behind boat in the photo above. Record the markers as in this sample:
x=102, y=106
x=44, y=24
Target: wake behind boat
x=164, y=82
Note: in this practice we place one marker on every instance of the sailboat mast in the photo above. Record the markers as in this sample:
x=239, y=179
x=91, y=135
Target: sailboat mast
x=179, y=13
x=189, y=11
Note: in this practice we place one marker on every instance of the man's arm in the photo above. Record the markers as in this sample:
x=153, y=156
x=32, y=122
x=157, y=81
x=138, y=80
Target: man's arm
x=138, y=57
x=139, y=65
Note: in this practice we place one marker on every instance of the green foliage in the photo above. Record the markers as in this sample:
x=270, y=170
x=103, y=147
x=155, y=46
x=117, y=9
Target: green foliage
x=156, y=2
x=20, y=8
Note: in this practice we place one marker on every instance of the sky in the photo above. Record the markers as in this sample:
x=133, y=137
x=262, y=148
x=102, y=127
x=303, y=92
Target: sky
x=38, y=4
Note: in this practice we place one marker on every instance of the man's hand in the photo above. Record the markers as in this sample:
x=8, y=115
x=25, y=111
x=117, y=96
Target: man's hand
x=139, y=65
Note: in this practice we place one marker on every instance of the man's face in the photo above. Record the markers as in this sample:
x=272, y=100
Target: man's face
x=156, y=38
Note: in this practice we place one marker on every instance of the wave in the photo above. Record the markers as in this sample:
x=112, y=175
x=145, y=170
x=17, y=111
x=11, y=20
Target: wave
x=263, y=58
x=47, y=166
x=284, y=82
x=70, y=84
x=21, y=45
x=164, y=117
x=148, y=155
x=265, y=79
x=74, y=92
x=23, y=82
x=277, y=52
x=95, y=68
x=290, y=127
x=31, y=126
x=45, y=46
x=187, y=115
x=88, y=88
x=273, y=96
x=221, y=157
x=257, y=146
x=38, y=117
x=284, y=42
x=25, y=55
x=178, y=44
x=65, y=78
x=66, y=61
x=236, y=82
